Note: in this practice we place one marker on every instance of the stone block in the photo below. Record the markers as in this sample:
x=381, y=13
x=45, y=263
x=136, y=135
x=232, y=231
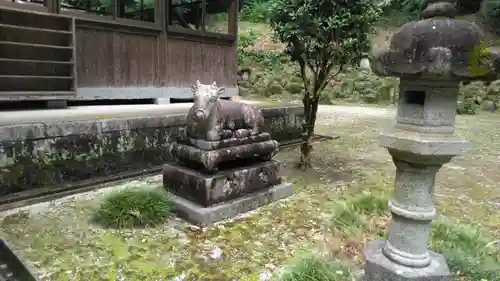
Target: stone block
x=210, y=189
x=204, y=216
x=379, y=268
x=435, y=145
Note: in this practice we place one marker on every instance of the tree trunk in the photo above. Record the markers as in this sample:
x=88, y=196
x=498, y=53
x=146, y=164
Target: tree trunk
x=310, y=102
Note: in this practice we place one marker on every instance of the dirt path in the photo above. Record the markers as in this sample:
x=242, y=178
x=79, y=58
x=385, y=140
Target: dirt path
x=331, y=114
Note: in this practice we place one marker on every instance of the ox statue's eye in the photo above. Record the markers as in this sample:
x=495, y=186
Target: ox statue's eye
x=213, y=98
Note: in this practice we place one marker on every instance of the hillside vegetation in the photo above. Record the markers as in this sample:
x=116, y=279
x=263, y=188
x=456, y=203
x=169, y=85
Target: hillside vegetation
x=265, y=73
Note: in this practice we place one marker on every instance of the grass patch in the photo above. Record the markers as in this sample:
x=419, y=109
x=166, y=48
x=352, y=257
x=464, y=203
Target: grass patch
x=315, y=268
x=133, y=208
x=353, y=213
x=470, y=253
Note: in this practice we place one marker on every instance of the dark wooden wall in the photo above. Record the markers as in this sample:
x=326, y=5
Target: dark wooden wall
x=119, y=59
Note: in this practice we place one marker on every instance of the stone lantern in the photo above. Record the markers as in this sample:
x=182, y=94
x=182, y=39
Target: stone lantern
x=431, y=57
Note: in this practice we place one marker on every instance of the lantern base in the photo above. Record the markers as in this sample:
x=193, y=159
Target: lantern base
x=379, y=268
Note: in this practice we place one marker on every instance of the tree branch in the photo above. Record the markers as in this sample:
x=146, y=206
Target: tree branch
x=303, y=74
x=341, y=67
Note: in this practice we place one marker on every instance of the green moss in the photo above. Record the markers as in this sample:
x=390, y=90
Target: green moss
x=29, y=164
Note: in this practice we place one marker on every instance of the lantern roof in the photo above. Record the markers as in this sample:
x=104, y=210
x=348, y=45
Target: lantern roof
x=438, y=46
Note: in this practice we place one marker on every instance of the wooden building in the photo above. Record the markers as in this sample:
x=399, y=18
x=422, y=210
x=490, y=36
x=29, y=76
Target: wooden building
x=57, y=50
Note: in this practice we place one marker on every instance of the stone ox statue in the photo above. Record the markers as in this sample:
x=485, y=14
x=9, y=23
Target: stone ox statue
x=214, y=119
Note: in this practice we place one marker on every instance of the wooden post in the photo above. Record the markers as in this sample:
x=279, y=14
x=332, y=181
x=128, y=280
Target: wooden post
x=203, y=14
x=233, y=18
x=161, y=10
x=116, y=6
x=53, y=6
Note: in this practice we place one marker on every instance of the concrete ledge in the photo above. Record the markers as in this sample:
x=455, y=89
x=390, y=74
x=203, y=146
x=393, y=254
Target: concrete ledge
x=204, y=216
x=31, y=124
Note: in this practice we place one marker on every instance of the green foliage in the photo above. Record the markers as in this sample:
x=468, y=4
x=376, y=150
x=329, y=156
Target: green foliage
x=467, y=250
x=465, y=7
x=399, y=12
x=314, y=268
x=467, y=107
x=133, y=208
x=106, y=6
x=321, y=35
x=247, y=56
x=491, y=14
x=364, y=86
x=352, y=214
x=256, y=11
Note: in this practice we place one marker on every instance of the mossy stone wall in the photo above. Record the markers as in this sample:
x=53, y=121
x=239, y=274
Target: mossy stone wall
x=45, y=156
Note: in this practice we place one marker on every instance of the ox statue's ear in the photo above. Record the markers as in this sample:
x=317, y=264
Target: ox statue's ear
x=221, y=91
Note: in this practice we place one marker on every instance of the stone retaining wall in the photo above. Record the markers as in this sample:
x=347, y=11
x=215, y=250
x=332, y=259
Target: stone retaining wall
x=62, y=154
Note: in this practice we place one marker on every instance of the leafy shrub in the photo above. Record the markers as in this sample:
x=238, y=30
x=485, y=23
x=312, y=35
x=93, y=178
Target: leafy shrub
x=490, y=13
x=399, y=12
x=467, y=250
x=465, y=7
x=353, y=213
x=245, y=42
x=256, y=11
x=322, y=37
x=467, y=107
x=314, y=268
x=246, y=56
x=133, y=208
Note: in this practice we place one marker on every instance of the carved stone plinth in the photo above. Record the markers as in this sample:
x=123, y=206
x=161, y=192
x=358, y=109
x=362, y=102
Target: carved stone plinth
x=210, y=189
x=225, y=143
x=209, y=160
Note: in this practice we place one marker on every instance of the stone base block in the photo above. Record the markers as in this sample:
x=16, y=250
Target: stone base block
x=204, y=216
x=379, y=268
x=210, y=189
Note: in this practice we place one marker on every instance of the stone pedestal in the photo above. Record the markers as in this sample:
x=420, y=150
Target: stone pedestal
x=420, y=142
x=204, y=198
x=210, y=189
x=431, y=57
x=223, y=160
x=380, y=268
